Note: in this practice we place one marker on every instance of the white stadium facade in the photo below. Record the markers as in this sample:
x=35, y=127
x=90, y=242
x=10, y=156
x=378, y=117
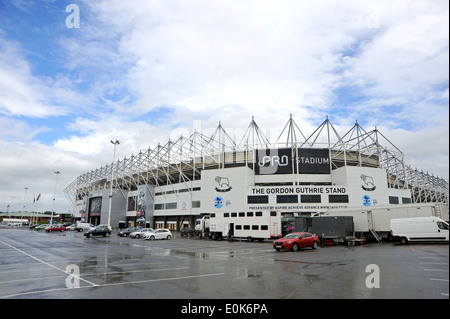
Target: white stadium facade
x=172, y=185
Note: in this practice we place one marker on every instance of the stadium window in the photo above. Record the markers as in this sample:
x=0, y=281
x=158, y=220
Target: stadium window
x=226, y=215
x=241, y=214
x=287, y=199
x=172, y=205
x=213, y=215
x=273, y=214
x=310, y=198
x=159, y=206
x=406, y=200
x=264, y=227
x=246, y=227
x=238, y=227
x=255, y=227
x=249, y=214
x=258, y=214
x=393, y=200
x=196, y=204
x=233, y=214
x=264, y=199
x=338, y=198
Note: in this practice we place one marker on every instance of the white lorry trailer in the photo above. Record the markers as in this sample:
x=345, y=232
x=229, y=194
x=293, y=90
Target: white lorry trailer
x=257, y=225
x=431, y=229
x=375, y=221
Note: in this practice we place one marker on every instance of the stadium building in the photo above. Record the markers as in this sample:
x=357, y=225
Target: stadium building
x=172, y=185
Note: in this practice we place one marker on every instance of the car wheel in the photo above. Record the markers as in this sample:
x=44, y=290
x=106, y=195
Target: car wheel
x=137, y=236
x=403, y=241
x=278, y=249
x=294, y=247
x=90, y=235
x=152, y=237
x=108, y=234
x=169, y=237
x=49, y=230
x=314, y=246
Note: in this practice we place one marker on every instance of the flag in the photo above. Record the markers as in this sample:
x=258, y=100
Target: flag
x=39, y=196
x=34, y=199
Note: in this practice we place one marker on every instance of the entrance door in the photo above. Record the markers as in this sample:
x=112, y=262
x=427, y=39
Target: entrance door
x=94, y=220
x=230, y=230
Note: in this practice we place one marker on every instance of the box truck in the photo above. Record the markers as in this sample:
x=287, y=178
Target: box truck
x=431, y=229
x=375, y=221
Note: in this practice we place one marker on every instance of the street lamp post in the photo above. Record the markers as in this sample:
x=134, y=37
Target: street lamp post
x=54, y=196
x=116, y=142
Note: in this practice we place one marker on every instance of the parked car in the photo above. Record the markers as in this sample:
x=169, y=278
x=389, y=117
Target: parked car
x=186, y=231
x=58, y=227
x=295, y=241
x=83, y=226
x=71, y=227
x=41, y=227
x=140, y=232
x=101, y=230
x=127, y=231
x=158, y=234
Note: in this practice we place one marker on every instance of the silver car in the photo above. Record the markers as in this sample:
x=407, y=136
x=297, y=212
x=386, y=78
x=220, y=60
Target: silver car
x=140, y=233
x=158, y=234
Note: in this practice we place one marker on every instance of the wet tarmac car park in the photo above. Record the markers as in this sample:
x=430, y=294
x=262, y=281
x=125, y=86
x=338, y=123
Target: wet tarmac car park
x=66, y=265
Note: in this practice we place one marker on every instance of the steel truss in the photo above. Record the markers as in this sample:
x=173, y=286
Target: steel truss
x=181, y=161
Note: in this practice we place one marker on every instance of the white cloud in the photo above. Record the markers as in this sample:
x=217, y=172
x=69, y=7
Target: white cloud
x=24, y=94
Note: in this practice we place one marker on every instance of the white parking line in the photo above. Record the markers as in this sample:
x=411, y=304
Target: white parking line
x=96, y=274
x=437, y=279
x=50, y=265
x=111, y=284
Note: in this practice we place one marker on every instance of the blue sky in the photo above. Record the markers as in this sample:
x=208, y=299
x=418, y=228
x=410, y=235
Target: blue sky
x=145, y=71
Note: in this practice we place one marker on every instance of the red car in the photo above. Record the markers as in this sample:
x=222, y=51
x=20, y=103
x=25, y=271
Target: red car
x=295, y=241
x=60, y=228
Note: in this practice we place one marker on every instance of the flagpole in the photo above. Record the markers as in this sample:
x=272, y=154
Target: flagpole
x=54, y=196
x=24, y=202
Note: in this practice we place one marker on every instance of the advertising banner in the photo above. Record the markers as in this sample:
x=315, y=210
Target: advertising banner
x=288, y=161
x=274, y=161
x=95, y=206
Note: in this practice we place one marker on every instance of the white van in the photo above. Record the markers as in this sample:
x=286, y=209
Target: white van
x=419, y=229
